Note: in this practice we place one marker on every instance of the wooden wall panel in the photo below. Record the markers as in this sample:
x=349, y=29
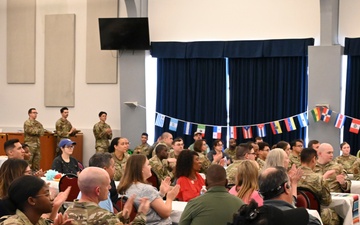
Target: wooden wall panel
x=21, y=41
x=101, y=66
x=60, y=60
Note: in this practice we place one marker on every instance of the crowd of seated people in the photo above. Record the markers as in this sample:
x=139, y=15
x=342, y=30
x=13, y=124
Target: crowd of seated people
x=181, y=173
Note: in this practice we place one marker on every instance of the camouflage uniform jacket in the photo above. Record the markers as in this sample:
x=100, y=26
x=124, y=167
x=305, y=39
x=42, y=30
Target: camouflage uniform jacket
x=347, y=162
x=63, y=127
x=90, y=213
x=119, y=165
x=172, y=154
x=101, y=136
x=20, y=219
x=294, y=160
x=261, y=163
x=142, y=149
x=231, y=171
x=333, y=184
x=356, y=169
x=231, y=153
x=205, y=163
x=33, y=129
x=317, y=184
x=161, y=168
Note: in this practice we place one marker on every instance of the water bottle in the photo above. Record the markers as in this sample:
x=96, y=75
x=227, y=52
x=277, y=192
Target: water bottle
x=225, y=161
x=203, y=190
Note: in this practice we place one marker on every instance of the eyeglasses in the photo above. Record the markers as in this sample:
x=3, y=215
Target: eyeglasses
x=71, y=146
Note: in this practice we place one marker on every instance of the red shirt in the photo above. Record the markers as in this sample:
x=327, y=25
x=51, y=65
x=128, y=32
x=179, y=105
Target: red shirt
x=189, y=189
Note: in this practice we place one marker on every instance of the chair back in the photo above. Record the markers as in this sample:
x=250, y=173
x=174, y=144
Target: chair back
x=313, y=199
x=154, y=180
x=120, y=205
x=69, y=180
x=302, y=200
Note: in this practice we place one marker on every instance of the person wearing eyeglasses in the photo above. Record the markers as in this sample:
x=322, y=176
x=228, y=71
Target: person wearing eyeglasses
x=218, y=153
x=243, y=152
x=65, y=163
x=276, y=189
x=297, y=146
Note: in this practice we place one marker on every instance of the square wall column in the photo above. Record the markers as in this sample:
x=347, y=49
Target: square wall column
x=325, y=88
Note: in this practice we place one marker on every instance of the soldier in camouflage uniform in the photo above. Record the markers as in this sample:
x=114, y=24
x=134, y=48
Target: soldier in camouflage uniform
x=177, y=146
x=143, y=148
x=103, y=133
x=200, y=147
x=231, y=149
x=85, y=211
x=160, y=163
x=262, y=152
x=33, y=129
x=63, y=127
x=338, y=180
x=118, y=149
x=242, y=153
x=296, y=148
x=346, y=159
x=317, y=184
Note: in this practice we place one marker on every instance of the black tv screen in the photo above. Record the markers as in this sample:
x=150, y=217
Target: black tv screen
x=124, y=33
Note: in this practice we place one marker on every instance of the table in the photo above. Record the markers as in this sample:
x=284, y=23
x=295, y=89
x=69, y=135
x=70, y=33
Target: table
x=315, y=213
x=177, y=209
x=346, y=206
x=355, y=187
x=3, y=158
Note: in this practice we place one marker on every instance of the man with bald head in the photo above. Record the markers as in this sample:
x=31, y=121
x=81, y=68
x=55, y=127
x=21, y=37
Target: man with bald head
x=338, y=180
x=216, y=206
x=94, y=184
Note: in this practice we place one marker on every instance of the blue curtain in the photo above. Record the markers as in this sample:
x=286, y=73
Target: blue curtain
x=352, y=103
x=268, y=82
x=191, y=86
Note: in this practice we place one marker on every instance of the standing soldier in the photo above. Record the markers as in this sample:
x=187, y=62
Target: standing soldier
x=103, y=133
x=33, y=129
x=63, y=127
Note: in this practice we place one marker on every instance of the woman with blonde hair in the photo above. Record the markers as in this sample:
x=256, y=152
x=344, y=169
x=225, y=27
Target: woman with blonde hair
x=247, y=182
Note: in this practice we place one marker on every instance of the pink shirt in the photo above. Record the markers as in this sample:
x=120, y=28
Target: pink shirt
x=255, y=195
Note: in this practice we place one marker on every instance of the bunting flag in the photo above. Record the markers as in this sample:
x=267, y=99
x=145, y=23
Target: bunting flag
x=340, y=120
x=316, y=113
x=173, y=124
x=275, y=127
x=233, y=132
x=261, y=131
x=201, y=129
x=290, y=125
x=355, y=125
x=216, y=132
x=160, y=119
x=326, y=114
x=187, y=128
x=247, y=132
x=303, y=121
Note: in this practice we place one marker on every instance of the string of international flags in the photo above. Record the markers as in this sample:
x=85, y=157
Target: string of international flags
x=318, y=113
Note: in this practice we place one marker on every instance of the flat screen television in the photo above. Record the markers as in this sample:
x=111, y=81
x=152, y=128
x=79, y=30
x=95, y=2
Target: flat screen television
x=124, y=33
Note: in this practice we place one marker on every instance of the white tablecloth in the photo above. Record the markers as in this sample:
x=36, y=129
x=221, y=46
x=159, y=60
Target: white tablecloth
x=315, y=213
x=177, y=209
x=346, y=206
x=3, y=158
x=355, y=187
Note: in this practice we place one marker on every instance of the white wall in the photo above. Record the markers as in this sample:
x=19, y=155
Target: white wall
x=90, y=99
x=189, y=20
x=349, y=18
